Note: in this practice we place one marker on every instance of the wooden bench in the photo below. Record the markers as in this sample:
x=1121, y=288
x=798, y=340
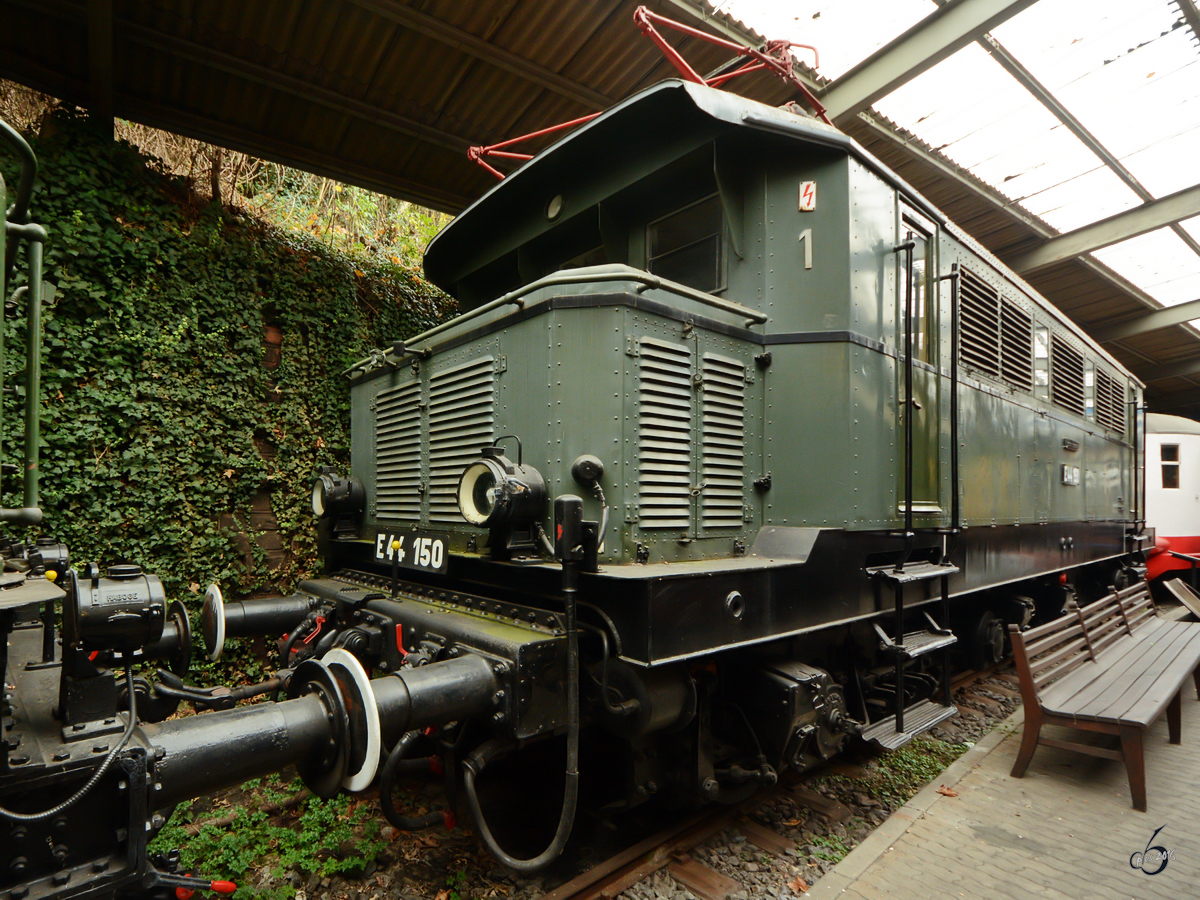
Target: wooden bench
x=1112, y=666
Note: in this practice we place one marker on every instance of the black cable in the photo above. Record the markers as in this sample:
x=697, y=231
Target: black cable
x=475, y=763
x=99, y=773
x=387, y=782
x=626, y=707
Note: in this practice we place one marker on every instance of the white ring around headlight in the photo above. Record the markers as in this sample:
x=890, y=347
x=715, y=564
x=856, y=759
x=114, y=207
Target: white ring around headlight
x=213, y=596
x=466, y=489
x=361, y=779
x=318, y=498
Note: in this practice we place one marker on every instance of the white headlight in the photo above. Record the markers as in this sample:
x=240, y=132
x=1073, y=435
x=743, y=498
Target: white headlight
x=478, y=489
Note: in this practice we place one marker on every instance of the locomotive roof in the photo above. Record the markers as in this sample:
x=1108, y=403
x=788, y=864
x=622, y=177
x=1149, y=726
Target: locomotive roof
x=607, y=148
x=1161, y=423
x=616, y=148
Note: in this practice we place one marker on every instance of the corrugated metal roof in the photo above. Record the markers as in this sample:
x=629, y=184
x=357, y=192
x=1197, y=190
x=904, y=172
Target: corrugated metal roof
x=388, y=95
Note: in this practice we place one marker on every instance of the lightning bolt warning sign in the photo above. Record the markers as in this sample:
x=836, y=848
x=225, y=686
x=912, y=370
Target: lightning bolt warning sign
x=808, y=196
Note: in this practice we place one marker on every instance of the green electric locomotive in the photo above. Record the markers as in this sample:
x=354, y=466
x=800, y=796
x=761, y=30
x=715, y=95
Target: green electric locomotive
x=736, y=435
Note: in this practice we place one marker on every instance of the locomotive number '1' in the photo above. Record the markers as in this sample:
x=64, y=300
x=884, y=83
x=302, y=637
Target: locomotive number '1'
x=417, y=551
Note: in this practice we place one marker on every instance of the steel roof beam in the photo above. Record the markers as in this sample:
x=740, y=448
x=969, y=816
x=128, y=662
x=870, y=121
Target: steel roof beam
x=705, y=14
x=1182, y=400
x=270, y=78
x=1150, y=321
x=1170, y=370
x=100, y=63
x=1129, y=224
x=255, y=143
x=304, y=90
x=1027, y=80
x=232, y=137
x=480, y=49
x=1191, y=15
x=936, y=37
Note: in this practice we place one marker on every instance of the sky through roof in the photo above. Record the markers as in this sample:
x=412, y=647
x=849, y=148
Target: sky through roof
x=1127, y=70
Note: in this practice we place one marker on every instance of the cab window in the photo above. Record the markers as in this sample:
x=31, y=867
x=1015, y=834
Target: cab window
x=687, y=246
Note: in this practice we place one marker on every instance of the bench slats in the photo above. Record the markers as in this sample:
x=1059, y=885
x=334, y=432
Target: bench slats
x=1117, y=664
x=1037, y=648
x=1111, y=666
x=1107, y=641
x=1139, y=693
x=1059, y=662
x=1140, y=618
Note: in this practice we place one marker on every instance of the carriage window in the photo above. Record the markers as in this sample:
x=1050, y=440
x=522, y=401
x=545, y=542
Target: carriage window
x=922, y=316
x=1170, y=465
x=687, y=246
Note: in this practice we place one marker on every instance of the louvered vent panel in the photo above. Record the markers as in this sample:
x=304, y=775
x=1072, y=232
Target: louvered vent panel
x=1110, y=403
x=398, y=452
x=979, y=324
x=723, y=442
x=461, y=422
x=1016, y=346
x=1066, y=376
x=664, y=434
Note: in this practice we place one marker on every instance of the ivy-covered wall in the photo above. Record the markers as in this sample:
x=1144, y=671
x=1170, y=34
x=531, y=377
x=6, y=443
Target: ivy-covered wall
x=191, y=370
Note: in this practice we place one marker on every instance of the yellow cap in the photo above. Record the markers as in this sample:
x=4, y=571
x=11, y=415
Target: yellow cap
x=395, y=545
x=51, y=575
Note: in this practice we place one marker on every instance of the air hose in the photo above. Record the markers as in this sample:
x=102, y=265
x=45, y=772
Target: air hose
x=396, y=762
x=475, y=762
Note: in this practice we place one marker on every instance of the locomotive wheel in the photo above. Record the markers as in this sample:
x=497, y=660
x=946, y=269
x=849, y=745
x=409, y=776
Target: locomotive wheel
x=985, y=642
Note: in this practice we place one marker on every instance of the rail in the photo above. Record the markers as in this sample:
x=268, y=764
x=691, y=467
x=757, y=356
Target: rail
x=587, y=275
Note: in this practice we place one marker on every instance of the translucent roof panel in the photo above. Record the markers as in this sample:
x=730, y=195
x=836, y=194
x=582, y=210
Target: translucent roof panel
x=1159, y=263
x=1127, y=70
x=838, y=29
x=974, y=112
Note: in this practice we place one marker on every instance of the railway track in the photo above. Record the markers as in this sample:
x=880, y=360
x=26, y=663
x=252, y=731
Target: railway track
x=671, y=848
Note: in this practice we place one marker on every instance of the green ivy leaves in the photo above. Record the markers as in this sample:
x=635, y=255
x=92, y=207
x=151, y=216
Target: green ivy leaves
x=160, y=422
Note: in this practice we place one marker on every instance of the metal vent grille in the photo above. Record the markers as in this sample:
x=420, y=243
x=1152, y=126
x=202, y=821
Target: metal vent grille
x=664, y=434
x=979, y=325
x=461, y=421
x=398, y=452
x=1110, y=403
x=723, y=440
x=1016, y=346
x=1066, y=376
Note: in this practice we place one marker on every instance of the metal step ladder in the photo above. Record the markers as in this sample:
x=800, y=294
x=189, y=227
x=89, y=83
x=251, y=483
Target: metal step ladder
x=905, y=723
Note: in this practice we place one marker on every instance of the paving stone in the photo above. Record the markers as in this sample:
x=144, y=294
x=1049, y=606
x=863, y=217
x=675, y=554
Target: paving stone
x=1063, y=832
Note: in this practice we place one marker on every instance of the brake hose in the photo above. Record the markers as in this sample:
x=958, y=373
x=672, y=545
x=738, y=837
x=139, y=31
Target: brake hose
x=474, y=764
x=99, y=773
x=387, y=782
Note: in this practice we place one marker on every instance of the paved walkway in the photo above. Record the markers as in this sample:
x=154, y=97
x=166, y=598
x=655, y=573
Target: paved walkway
x=1066, y=831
